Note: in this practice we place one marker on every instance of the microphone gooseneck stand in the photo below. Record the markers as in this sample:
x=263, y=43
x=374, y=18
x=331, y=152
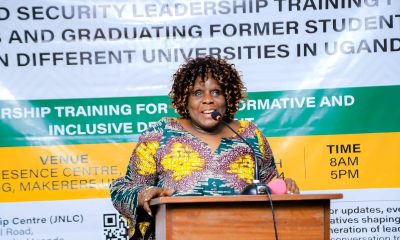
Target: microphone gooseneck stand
x=256, y=188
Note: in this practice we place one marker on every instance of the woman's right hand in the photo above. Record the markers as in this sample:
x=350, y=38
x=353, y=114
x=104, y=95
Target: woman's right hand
x=153, y=192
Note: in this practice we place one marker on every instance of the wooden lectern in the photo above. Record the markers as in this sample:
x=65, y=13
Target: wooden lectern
x=302, y=216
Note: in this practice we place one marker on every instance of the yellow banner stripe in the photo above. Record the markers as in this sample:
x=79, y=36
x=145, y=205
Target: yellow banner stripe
x=61, y=172
x=351, y=161
x=326, y=162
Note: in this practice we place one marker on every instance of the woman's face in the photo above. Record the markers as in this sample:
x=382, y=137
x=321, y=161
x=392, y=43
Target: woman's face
x=205, y=98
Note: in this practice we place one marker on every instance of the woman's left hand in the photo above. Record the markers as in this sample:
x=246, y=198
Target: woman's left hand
x=291, y=186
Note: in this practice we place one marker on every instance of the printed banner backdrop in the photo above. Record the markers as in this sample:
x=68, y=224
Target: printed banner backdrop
x=80, y=80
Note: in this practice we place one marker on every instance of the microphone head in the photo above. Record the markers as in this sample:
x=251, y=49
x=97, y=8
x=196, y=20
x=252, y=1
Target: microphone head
x=216, y=115
x=277, y=186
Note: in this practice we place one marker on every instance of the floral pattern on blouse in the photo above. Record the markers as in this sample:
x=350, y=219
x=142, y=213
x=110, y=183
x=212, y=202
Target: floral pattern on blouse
x=166, y=155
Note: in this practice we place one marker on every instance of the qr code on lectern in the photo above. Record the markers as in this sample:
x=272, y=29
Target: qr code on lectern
x=115, y=227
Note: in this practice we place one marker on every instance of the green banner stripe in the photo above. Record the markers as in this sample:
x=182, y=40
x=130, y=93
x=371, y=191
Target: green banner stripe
x=328, y=112
x=279, y=113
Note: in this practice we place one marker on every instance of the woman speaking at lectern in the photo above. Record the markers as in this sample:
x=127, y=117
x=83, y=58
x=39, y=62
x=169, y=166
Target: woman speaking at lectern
x=195, y=154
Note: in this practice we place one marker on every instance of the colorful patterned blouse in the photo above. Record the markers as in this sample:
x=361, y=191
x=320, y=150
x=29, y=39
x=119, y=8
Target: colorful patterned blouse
x=169, y=156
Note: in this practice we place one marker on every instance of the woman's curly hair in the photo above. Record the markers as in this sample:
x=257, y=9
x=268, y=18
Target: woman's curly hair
x=223, y=72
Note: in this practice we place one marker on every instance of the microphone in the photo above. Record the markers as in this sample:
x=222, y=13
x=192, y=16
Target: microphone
x=277, y=186
x=256, y=188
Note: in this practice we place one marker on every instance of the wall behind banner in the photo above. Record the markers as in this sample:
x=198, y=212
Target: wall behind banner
x=81, y=80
